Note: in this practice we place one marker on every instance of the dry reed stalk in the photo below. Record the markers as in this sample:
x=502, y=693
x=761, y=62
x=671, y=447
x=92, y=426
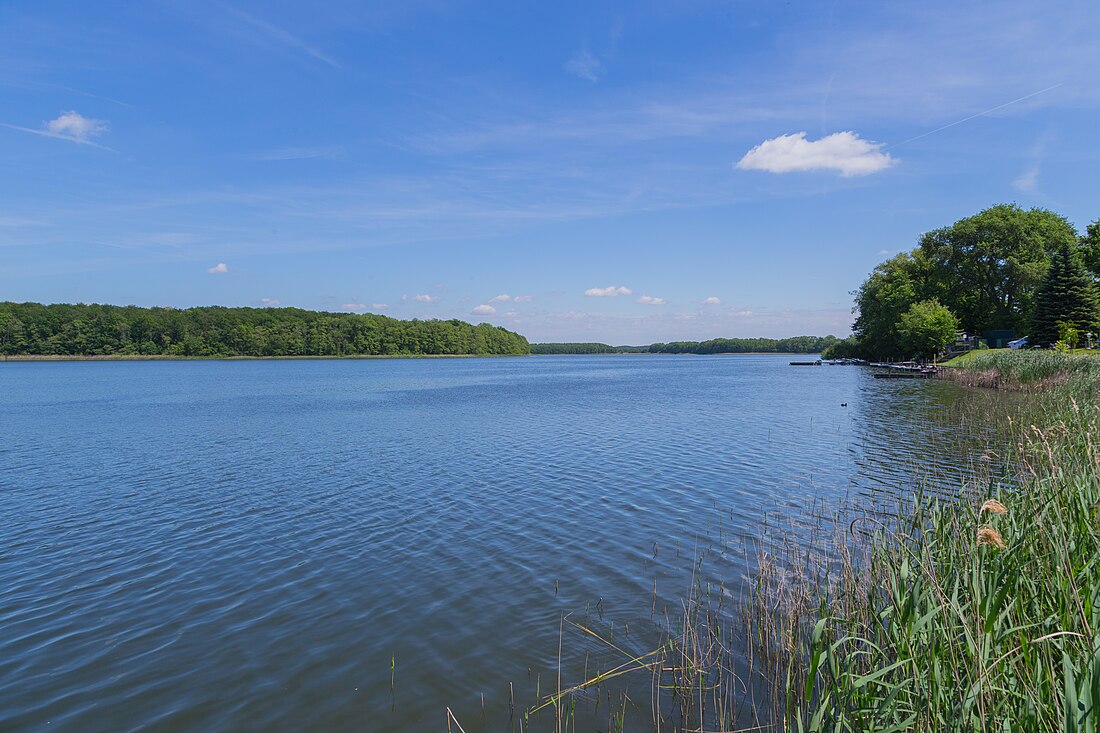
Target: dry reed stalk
x=989, y=536
x=993, y=507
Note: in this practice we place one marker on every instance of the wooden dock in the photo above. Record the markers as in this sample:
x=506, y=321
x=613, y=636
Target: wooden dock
x=904, y=370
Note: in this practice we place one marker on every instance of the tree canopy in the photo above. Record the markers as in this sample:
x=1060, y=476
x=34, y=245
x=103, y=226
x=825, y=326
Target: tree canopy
x=927, y=328
x=32, y=328
x=985, y=269
x=1067, y=298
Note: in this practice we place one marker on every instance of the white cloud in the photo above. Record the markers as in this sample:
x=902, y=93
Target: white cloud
x=586, y=65
x=844, y=152
x=424, y=298
x=611, y=291
x=71, y=126
x=523, y=299
x=353, y=307
x=76, y=127
x=502, y=298
x=712, y=300
x=650, y=300
x=269, y=302
x=379, y=306
x=218, y=269
x=484, y=310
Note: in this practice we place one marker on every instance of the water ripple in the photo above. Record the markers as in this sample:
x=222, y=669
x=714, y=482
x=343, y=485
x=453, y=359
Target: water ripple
x=246, y=545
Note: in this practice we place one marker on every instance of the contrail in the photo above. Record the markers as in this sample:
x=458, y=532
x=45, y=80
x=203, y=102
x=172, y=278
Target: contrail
x=979, y=114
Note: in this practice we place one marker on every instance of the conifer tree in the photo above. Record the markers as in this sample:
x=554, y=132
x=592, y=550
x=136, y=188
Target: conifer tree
x=1066, y=297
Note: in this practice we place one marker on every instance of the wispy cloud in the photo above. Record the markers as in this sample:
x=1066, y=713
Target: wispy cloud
x=611, y=291
x=353, y=307
x=71, y=126
x=1028, y=181
x=329, y=152
x=712, y=300
x=218, y=269
x=284, y=37
x=269, y=302
x=586, y=65
x=484, y=310
x=650, y=300
x=422, y=298
x=378, y=306
x=844, y=152
x=502, y=298
x=523, y=298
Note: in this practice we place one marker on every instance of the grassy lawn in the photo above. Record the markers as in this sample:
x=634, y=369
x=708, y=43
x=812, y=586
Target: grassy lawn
x=967, y=359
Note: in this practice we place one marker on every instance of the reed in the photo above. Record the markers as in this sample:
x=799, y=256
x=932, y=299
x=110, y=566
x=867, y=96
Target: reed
x=1031, y=370
x=967, y=616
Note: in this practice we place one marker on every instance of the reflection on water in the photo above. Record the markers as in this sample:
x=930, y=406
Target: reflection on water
x=248, y=545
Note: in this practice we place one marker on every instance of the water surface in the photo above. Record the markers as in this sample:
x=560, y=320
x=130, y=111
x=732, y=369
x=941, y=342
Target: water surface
x=249, y=545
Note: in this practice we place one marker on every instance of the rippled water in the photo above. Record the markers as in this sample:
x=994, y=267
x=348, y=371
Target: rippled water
x=268, y=545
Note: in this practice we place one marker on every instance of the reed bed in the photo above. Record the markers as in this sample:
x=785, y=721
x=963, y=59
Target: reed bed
x=1031, y=370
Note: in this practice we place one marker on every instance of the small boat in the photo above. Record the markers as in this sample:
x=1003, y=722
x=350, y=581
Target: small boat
x=806, y=363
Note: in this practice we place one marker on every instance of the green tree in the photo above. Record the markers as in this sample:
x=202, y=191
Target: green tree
x=1090, y=248
x=986, y=267
x=927, y=328
x=1067, y=298
x=881, y=300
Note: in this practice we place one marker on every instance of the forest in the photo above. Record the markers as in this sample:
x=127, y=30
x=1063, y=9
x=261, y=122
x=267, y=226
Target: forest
x=1003, y=271
x=82, y=330
x=794, y=345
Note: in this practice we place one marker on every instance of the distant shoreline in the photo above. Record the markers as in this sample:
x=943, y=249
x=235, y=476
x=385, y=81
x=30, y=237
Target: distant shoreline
x=174, y=357
x=690, y=353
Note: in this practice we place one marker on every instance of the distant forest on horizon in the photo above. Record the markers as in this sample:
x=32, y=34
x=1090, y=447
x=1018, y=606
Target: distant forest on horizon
x=793, y=345
x=215, y=331
x=33, y=329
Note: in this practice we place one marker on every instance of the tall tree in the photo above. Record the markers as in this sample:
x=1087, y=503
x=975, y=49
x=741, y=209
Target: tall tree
x=881, y=300
x=986, y=267
x=1067, y=297
x=1090, y=248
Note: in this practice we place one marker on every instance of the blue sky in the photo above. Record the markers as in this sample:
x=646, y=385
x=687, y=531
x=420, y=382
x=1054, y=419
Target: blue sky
x=623, y=172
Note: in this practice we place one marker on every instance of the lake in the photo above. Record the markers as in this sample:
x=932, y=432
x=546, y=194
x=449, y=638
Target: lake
x=356, y=545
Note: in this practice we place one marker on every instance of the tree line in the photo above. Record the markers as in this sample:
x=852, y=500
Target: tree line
x=1003, y=270
x=794, y=345
x=78, y=330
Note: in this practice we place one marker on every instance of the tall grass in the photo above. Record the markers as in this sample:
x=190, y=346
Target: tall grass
x=1028, y=370
x=973, y=615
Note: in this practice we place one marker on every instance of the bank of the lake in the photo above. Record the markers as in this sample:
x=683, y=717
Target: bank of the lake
x=172, y=357
x=977, y=612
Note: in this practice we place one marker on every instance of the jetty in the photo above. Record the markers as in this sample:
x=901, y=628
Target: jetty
x=904, y=370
